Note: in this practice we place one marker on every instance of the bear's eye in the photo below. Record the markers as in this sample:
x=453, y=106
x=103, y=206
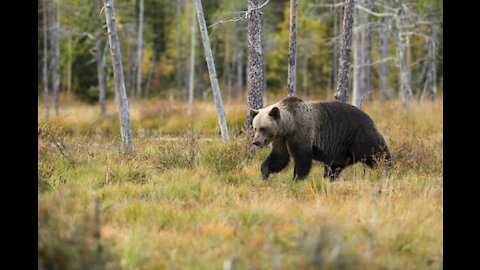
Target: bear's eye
x=262, y=129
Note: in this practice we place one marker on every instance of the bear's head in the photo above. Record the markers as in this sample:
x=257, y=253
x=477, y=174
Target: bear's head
x=265, y=125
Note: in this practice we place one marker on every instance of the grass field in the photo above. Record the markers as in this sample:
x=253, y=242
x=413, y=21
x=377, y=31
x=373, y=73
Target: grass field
x=186, y=200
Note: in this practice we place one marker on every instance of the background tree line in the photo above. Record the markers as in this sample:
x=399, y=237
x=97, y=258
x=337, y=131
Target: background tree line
x=76, y=47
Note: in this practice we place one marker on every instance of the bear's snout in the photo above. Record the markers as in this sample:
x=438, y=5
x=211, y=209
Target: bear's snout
x=257, y=143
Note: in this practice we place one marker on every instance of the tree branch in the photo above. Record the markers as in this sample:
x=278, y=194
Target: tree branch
x=241, y=17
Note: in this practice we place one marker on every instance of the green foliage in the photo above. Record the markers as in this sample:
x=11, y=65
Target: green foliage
x=311, y=33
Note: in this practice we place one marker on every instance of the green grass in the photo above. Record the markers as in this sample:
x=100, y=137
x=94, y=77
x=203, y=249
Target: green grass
x=195, y=204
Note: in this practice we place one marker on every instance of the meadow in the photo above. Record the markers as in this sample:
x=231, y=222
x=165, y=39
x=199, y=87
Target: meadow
x=186, y=200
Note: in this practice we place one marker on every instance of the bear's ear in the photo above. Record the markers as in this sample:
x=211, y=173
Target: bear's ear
x=275, y=113
x=253, y=112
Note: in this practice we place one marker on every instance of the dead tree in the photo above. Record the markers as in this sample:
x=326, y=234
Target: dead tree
x=125, y=130
x=384, y=47
x=405, y=88
x=192, y=62
x=292, y=50
x=45, y=58
x=342, y=85
x=139, y=50
x=100, y=73
x=255, y=67
x=357, y=88
x=211, y=70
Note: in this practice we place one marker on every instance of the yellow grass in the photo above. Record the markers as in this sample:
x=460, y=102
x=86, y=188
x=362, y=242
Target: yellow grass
x=195, y=204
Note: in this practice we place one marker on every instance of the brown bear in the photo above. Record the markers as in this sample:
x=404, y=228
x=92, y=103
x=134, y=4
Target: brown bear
x=335, y=133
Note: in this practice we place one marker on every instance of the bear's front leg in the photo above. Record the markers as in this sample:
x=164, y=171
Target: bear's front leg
x=277, y=160
x=302, y=157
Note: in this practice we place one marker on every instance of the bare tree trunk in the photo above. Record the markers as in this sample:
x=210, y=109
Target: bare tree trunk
x=239, y=54
x=292, y=50
x=125, y=130
x=139, y=50
x=305, y=74
x=408, y=56
x=342, y=85
x=226, y=67
x=357, y=92
x=367, y=46
x=201, y=61
x=212, y=72
x=56, y=57
x=186, y=64
x=385, y=39
x=405, y=89
x=255, y=67
x=430, y=86
x=69, y=65
x=179, y=48
x=336, y=21
x=45, y=58
x=192, y=62
x=100, y=73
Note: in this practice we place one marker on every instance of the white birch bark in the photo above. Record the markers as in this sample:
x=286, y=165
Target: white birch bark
x=212, y=72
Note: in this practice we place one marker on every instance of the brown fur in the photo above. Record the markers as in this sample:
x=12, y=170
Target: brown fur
x=335, y=133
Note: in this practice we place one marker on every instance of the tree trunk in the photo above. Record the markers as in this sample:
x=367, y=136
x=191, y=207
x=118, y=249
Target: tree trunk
x=385, y=39
x=139, y=50
x=405, y=89
x=408, y=56
x=255, y=67
x=357, y=92
x=292, y=50
x=305, y=75
x=239, y=54
x=69, y=65
x=342, y=85
x=226, y=67
x=212, y=72
x=125, y=130
x=56, y=57
x=100, y=73
x=430, y=86
x=336, y=22
x=45, y=58
x=367, y=46
x=180, y=49
x=201, y=63
x=192, y=62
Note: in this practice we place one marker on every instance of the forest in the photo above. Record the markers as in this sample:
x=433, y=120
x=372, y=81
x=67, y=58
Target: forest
x=144, y=134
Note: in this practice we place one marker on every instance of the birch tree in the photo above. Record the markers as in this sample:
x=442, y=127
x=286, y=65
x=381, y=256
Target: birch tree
x=384, y=46
x=125, y=130
x=56, y=56
x=201, y=63
x=357, y=88
x=367, y=54
x=192, y=61
x=239, y=60
x=255, y=67
x=292, y=50
x=179, y=48
x=211, y=70
x=430, y=86
x=405, y=88
x=139, y=50
x=342, y=85
x=45, y=58
x=100, y=73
